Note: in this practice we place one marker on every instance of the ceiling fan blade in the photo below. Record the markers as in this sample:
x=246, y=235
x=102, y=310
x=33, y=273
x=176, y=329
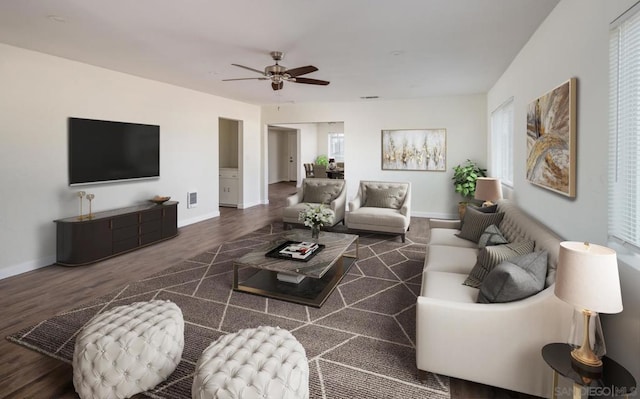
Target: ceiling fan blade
x=250, y=69
x=226, y=80
x=277, y=86
x=310, y=81
x=301, y=71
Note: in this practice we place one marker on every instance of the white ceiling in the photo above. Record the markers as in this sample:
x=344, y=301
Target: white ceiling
x=392, y=49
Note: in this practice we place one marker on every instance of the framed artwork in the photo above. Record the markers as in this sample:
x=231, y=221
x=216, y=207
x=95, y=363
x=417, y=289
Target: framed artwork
x=419, y=149
x=551, y=140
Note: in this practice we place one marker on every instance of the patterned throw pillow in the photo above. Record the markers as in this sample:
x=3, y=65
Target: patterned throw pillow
x=381, y=197
x=515, y=279
x=491, y=236
x=316, y=194
x=490, y=257
x=475, y=222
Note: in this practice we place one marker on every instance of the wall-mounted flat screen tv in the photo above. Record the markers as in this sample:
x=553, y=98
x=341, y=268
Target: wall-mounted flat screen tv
x=106, y=151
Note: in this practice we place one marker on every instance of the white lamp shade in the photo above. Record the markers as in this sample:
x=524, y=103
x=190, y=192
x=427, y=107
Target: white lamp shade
x=587, y=277
x=488, y=189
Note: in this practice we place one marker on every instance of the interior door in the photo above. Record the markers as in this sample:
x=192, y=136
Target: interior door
x=293, y=155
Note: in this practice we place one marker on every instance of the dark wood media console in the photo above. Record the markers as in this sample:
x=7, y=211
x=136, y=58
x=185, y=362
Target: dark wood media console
x=109, y=233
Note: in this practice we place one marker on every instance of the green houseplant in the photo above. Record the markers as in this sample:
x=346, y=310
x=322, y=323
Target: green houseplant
x=322, y=160
x=464, y=180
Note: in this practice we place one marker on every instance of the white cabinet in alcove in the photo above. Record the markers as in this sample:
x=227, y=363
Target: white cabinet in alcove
x=229, y=187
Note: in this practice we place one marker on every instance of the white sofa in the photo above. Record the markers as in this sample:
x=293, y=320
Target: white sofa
x=497, y=344
x=380, y=206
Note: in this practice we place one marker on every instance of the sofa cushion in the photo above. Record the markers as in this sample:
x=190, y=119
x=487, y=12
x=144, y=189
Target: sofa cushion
x=447, y=286
x=444, y=236
x=490, y=257
x=475, y=222
x=515, y=279
x=369, y=217
x=491, y=236
x=383, y=198
x=449, y=259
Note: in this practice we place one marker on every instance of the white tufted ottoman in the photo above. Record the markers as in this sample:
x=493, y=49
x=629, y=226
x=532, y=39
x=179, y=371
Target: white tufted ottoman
x=263, y=362
x=128, y=349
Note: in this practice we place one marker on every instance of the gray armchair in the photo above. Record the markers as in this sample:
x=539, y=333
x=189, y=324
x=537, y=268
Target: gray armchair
x=330, y=192
x=383, y=207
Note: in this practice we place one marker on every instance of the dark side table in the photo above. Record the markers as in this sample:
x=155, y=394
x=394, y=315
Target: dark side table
x=609, y=381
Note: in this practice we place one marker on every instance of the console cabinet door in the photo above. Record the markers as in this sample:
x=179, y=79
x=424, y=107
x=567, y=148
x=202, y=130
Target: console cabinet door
x=83, y=242
x=169, y=221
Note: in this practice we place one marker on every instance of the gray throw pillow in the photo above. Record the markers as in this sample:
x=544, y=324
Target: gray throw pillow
x=490, y=257
x=316, y=194
x=486, y=209
x=515, y=279
x=475, y=222
x=381, y=197
x=491, y=236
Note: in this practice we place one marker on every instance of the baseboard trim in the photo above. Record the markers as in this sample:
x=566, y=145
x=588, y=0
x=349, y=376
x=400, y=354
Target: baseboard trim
x=186, y=222
x=26, y=267
x=435, y=215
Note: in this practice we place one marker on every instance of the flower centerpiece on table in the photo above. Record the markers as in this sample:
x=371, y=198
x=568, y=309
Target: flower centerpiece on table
x=316, y=216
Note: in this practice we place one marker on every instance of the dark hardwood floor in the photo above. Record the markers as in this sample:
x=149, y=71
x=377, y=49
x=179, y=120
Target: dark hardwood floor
x=34, y=296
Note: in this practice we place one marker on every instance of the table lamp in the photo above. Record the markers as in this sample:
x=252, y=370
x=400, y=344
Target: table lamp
x=587, y=278
x=488, y=189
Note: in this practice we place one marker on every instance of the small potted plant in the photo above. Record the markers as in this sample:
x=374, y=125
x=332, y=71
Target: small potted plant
x=464, y=180
x=322, y=160
x=316, y=216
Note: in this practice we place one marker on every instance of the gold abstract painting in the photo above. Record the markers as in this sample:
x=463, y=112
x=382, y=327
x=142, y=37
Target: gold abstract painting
x=420, y=149
x=551, y=140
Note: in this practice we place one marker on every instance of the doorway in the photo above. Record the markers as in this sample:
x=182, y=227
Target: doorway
x=229, y=162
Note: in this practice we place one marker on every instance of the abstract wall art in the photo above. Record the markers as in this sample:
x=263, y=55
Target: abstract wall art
x=418, y=149
x=551, y=140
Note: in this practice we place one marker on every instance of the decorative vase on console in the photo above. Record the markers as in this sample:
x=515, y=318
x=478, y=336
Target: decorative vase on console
x=315, y=216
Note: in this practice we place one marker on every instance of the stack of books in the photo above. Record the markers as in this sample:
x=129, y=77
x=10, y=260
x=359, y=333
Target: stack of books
x=299, y=250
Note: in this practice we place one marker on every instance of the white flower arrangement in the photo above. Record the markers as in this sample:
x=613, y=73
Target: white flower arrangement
x=316, y=216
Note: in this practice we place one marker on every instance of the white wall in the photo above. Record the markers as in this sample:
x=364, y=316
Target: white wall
x=39, y=92
x=573, y=42
x=464, y=117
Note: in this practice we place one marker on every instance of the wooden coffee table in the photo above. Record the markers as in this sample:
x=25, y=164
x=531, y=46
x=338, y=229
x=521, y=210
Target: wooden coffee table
x=320, y=275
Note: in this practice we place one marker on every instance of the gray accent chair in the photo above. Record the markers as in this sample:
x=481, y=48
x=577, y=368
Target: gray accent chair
x=383, y=207
x=330, y=192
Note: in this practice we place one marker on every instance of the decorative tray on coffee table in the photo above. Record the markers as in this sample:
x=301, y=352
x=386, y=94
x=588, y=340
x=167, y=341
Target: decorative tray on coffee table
x=295, y=250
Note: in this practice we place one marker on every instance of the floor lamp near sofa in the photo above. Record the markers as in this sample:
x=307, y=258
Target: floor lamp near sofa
x=587, y=278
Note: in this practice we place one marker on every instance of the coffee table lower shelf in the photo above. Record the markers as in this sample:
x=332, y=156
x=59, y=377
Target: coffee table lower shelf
x=310, y=291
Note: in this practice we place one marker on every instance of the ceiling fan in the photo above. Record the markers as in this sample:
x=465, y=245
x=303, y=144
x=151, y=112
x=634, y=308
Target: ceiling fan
x=278, y=74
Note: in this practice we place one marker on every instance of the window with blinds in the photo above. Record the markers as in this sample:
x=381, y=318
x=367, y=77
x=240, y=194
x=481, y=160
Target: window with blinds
x=624, y=129
x=501, y=148
x=336, y=146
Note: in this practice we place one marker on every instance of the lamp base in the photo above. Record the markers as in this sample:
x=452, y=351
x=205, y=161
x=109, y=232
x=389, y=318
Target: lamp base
x=585, y=354
x=586, y=357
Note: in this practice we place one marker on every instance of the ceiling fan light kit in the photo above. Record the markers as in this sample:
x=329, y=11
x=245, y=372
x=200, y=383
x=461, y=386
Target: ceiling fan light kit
x=278, y=74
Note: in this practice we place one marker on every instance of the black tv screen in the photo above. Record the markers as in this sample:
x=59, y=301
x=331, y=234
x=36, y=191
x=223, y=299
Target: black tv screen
x=105, y=151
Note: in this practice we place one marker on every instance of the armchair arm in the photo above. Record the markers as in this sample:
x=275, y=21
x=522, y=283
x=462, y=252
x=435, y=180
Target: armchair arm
x=338, y=205
x=406, y=205
x=295, y=198
x=491, y=343
x=355, y=203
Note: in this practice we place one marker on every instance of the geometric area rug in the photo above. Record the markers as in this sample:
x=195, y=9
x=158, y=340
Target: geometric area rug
x=360, y=343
